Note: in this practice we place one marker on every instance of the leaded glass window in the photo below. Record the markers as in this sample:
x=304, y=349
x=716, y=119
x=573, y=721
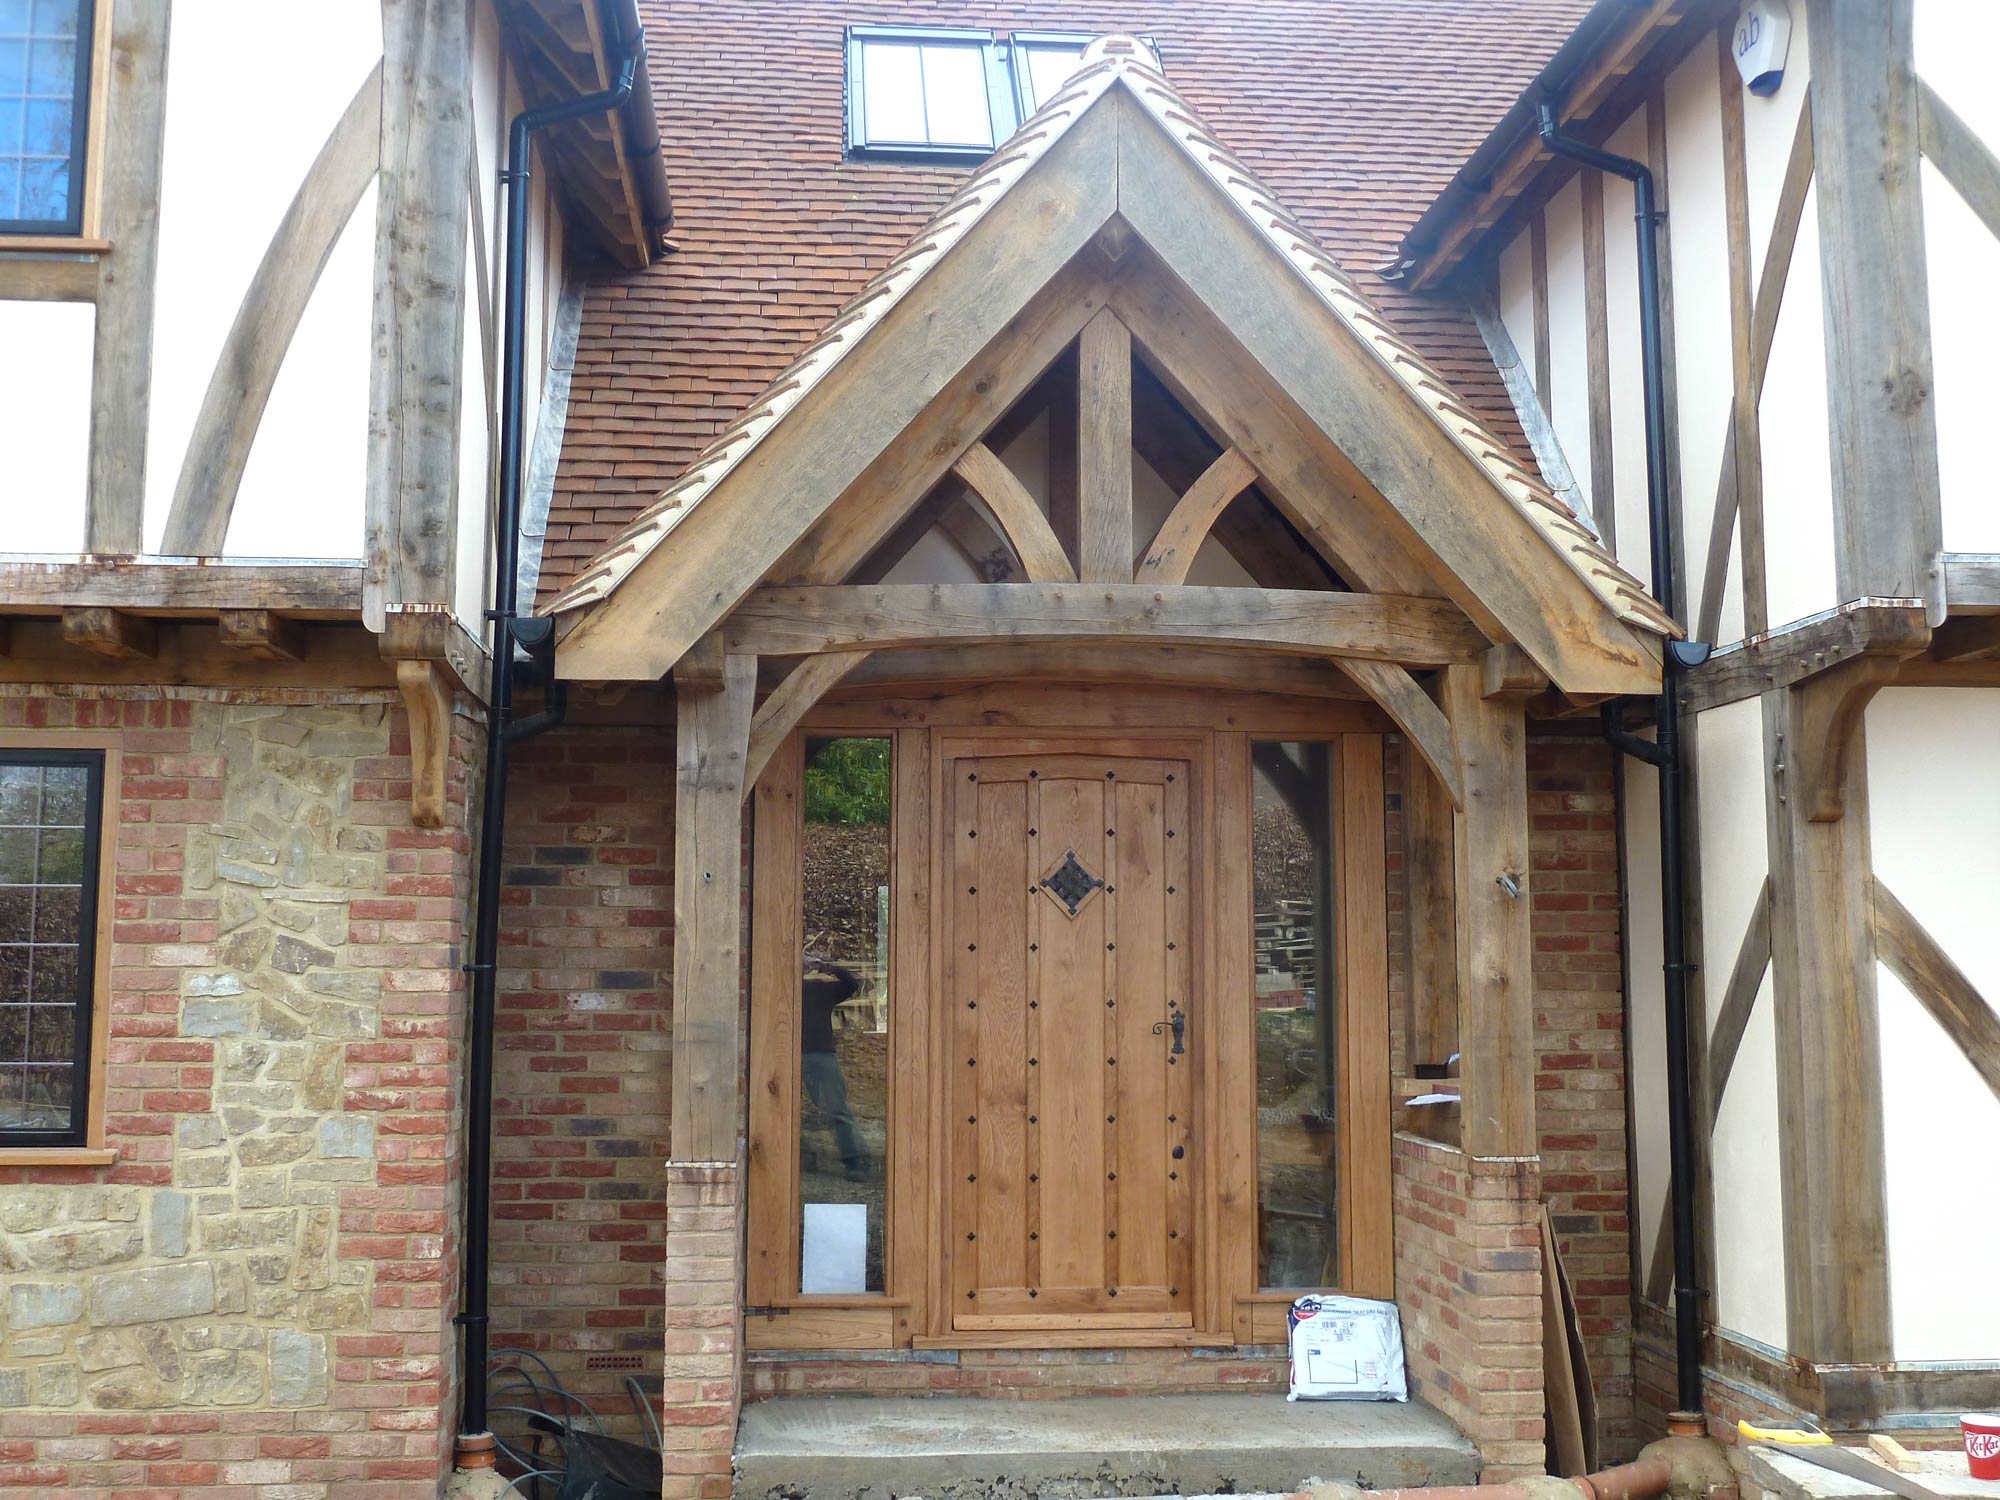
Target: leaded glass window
x=50, y=805
x=44, y=114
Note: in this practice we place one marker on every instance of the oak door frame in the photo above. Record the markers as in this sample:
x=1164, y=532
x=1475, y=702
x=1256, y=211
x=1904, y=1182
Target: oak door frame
x=913, y=1307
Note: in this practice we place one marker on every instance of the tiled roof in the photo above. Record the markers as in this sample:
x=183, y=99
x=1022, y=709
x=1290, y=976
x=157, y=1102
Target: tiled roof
x=1355, y=112
x=1108, y=62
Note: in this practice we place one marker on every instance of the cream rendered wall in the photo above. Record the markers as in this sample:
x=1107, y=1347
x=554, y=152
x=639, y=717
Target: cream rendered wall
x=1517, y=300
x=225, y=184
x=1569, y=336
x=1934, y=822
x=1628, y=389
x=1697, y=240
x=45, y=424
x=1749, y=1229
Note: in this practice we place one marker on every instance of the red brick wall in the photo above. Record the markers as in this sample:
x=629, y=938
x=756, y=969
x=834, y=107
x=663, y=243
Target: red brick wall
x=293, y=1147
x=580, y=1214
x=1580, y=1035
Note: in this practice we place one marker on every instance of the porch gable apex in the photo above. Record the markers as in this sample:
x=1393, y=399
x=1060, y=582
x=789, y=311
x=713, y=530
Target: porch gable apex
x=1052, y=200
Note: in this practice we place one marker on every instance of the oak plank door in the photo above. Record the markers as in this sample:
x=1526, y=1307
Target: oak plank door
x=1068, y=956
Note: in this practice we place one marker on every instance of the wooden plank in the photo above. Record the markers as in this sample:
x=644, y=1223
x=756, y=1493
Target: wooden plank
x=1961, y=157
x=1495, y=947
x=803, y=1327
x=712, y=731
x=1559, y=1383
x=1804, y=649
x=779, y=714
x=41, y=277
x=771, y=1271
x=1431, y=1035
x=1421, y=720
x=427, y=706
x=1597, y=349
x=1231, y=1088
x=1180, y=537
x=1104, y=450
x=246, y=369
x=1538, y=279
x=1747, y=449
x=180, y=585
x=1176, y=666
x=791, y=621
x=419, y=307
x=122, y=361
x=1830, y=1147
x=111, y=632
x=914, y=1220
x=1972, y=581
x=1027, y=530
x=261, y=632
x=1881, y=409
x=1938, y=984
x=1361, y=935
x=834, y=436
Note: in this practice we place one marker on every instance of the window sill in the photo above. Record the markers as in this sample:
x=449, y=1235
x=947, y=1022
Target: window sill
x=53, y=244
x=57, y=1156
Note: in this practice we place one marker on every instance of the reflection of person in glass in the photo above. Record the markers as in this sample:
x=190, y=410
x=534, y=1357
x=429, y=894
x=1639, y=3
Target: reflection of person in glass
x=827, y=986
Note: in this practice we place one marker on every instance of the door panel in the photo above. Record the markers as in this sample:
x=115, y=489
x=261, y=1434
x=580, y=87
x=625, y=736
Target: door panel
x=1069, y=950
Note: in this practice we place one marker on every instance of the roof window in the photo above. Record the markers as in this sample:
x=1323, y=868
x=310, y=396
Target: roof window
x=922, y=91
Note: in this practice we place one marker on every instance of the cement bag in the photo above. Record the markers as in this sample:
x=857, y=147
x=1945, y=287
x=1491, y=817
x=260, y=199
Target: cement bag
x=1346, y=1349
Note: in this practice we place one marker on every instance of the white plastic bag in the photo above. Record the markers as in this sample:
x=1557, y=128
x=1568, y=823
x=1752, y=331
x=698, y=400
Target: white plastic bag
x=1346, y=1349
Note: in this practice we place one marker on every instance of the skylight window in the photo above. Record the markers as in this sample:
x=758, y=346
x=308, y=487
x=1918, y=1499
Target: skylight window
x=953, y=92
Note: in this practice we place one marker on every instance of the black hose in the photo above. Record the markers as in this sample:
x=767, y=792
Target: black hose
x=1664, y=753
x=502, y=731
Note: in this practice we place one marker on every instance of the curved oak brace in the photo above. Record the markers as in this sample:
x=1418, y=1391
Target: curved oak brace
x=427, y=698
x=1420, y=719
x=1180, y=536
x=1021, y=520
x=1828, y=721
x=247, y=368
x=789, y=702
x=1938, y=984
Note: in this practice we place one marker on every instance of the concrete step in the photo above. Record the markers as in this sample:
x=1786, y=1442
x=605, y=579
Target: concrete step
x=1074, y=1448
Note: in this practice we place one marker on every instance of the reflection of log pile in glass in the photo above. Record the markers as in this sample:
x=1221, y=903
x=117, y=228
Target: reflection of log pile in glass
x=1291, y=862
x=844, y=1009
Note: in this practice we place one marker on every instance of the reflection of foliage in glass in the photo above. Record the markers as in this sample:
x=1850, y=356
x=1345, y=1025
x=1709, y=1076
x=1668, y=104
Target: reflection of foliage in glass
x=847, y=781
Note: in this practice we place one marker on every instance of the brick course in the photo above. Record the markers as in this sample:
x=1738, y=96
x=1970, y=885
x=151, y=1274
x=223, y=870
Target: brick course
x=258, y=1291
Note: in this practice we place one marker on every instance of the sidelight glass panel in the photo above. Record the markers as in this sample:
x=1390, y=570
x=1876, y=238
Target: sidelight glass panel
x=1292, y=885
x=844, y=1016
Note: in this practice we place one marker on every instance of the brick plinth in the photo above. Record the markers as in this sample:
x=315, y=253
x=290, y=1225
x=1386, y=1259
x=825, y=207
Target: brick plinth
x=704, y=1335
x=1468, y=1284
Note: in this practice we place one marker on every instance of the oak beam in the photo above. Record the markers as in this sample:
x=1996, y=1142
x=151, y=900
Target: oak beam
x=1021, y=520
x=1104, y=450
x=1833, y=1193
x=1495, y=946
x=121, y=382
x=1213, y=667
x=1746, y=449
x=263, y=633
x=712, y=731
x=181, y=585
x=1422, y=721
x=1194, y=515
x=1938, y=985
x=780, y=621
x=1961, y=157
x=111, y=632
x=1881, y=406
x=1432, y=1029
x=779, y=714
x=427, y=701
x=1805, y=649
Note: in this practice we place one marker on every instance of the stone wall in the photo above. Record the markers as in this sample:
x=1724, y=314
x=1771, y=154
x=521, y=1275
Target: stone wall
x=1468, y=1285
x=257, y=1294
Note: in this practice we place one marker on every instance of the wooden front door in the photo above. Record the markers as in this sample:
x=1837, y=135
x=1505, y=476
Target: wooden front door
x=1070, y=972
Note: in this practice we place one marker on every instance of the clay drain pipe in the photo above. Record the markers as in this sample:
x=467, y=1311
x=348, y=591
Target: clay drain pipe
x=1635, y=1481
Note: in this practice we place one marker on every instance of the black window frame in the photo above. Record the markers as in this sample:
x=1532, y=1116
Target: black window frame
x=71, y=225
x=81, y=1101
x=1000, y=109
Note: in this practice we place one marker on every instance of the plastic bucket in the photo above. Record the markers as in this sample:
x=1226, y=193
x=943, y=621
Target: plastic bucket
x=1982, y=1443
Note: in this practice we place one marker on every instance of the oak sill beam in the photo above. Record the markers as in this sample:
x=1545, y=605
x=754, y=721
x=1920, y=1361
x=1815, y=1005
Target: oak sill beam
x=1787, y=657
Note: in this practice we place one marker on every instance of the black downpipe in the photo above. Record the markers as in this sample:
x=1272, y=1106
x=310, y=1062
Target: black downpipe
x=1663, y=751
x=537, y=639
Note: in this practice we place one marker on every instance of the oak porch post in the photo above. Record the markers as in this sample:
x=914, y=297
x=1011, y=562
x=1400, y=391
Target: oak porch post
x=704, y=1259
x=1495, y=950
